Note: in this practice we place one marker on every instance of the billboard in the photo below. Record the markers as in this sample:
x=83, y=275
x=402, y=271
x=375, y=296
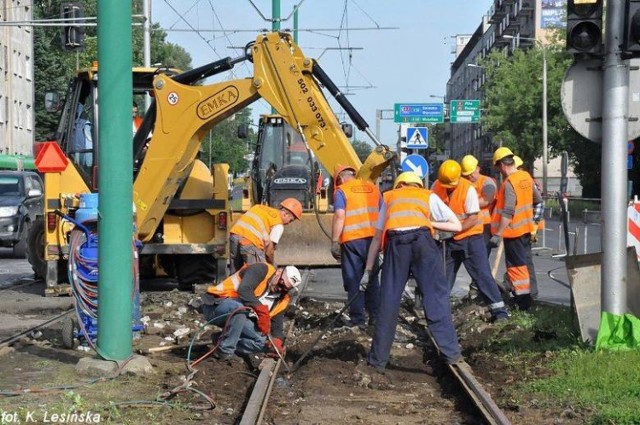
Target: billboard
x=553, y=14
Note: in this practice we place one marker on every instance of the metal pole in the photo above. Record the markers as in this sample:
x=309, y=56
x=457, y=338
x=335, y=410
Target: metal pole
x=378, y=118
x=275, y=13
x=146, y=26
x=115, y=181
x=545, y=158
x=615, y=95
x=295, y=23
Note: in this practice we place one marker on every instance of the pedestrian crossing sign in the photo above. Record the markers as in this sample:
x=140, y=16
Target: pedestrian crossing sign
x=417, y=138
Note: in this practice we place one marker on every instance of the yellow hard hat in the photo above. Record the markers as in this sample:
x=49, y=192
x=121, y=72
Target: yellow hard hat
x=408, y=177
x=293, y=206
x=518, y=161
x=449, y=173
x=501, y=153
x=469, y=164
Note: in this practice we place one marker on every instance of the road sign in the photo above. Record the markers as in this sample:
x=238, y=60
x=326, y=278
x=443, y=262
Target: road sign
x=464, y=111
x=417, y=137
x=418, y=112
x=417, y=164
x=51, y=159
x=581, y=98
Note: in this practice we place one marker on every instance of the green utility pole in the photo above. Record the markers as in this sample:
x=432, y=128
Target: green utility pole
x=115, y=180
x=275, y=13
x=295, y=23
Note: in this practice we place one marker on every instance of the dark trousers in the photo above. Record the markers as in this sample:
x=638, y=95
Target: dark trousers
x=471, y=252
x=354, y=259
x=413, y=252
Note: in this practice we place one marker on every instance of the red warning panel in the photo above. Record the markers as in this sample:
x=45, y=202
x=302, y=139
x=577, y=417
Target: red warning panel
x=51, y=159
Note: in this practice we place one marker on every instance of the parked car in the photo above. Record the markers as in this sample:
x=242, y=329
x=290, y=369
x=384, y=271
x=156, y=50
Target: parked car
x=21, y=201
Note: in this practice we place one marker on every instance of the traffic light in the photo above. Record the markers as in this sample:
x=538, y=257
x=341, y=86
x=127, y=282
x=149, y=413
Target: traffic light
x=584, y=27
x=631, y=41
x=72, y=34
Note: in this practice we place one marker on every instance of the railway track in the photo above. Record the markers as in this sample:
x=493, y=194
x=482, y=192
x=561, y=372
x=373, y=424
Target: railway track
x=276, y=383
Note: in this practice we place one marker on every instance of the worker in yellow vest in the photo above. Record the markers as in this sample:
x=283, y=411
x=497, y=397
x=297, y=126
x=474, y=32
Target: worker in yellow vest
x=356, y=206
x=257, y=232
x=467, y=246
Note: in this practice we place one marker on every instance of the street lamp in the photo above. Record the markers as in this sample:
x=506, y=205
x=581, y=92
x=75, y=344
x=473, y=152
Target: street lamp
x=436, y=96
x=544, y=108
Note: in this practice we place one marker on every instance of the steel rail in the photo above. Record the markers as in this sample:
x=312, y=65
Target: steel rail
x=48, y=322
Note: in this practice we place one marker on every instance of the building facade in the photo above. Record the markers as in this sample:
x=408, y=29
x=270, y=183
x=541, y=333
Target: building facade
x=507, y=25
x=16, y=78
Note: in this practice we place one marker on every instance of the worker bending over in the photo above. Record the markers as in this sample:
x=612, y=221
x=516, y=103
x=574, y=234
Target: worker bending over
x=486, y=189
x=356, y=206
x=258, y=290
x=408, y=215
x=253, y=238
x=512, y=221
x=467, y=246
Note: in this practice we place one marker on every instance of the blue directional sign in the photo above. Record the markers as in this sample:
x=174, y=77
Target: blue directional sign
x=417, y=137
x=418, y=112
x=417, y=164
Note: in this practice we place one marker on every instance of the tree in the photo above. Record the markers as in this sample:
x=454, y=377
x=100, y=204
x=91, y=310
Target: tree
x=363, y=149
x=513, y=99
x=222, y=145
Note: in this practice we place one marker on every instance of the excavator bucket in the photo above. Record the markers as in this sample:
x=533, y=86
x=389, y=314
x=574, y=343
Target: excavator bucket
x=376, y=162
x=304, y=242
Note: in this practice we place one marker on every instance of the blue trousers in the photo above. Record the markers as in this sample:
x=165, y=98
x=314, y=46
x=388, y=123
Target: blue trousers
x=354, y=259
x=413, y=252
x=471, y=252
x=241, y=335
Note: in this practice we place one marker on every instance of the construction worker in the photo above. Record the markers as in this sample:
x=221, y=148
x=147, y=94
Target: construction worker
x=486, y=188
x=356, y=205
x=253, y=238
x=538, y=215
x=467, y=246
x=136, y=120
x=258, y=290
x=408, y=215
x=512, y=221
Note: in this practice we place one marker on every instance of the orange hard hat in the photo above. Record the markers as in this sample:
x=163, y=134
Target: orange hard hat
x=340, y=168
x=293, y=206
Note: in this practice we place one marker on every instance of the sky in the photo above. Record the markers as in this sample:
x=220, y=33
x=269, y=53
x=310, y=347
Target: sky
x=407, y=63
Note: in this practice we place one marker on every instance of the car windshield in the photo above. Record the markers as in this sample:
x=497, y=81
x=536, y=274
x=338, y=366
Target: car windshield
x=9, y=186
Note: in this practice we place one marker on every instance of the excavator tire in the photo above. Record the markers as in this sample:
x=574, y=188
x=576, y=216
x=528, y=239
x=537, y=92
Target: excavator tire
x=35, y=248
x=304, y=243
x=195, y=269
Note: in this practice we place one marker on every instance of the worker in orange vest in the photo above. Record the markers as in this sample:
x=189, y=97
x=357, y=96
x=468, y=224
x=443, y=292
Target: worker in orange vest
x=408, y=215
x=486, y=188
x=253, y=238
x=512, y=222
x=356, y=205
x=136, y=119
x=467, y=246
x=259, y=289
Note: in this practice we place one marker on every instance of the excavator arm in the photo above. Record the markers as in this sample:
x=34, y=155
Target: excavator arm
x=185, y=113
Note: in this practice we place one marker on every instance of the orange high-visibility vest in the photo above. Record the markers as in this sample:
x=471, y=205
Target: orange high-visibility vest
x=406, y=206
x=256, y=224
x=228, y=288
x=362, y=207
x=485, y=213
x=522, y=221
x=455, y=200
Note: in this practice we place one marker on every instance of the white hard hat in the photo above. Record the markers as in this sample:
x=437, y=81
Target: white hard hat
x=293, y=274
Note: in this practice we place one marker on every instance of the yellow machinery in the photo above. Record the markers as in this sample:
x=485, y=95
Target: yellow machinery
x=181, y=207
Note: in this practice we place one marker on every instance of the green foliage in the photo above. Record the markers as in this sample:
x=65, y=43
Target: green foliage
x=513, y=99
x=222, y=145
x=362, y=149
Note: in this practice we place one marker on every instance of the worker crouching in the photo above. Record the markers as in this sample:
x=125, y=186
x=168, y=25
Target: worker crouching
x=408, y=215
x=249, y=306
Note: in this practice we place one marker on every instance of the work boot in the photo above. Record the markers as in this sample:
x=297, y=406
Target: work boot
x=524, y=302
x=222, y=356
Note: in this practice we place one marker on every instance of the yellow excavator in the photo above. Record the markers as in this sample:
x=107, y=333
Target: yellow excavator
x=182, y=211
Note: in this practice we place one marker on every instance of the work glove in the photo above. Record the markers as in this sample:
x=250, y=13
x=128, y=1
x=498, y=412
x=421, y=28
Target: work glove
x=264, y=320
x=494, y=241
x=275, y=346
x=335, y=250
x=364, y=282
x=534, y=236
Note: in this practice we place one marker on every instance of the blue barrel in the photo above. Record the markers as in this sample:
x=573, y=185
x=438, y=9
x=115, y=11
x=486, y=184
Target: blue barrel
x=88, y=209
